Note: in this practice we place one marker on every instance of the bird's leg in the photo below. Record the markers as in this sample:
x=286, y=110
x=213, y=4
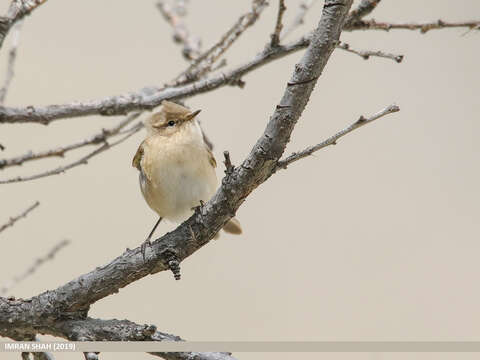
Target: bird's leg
x=147, y=242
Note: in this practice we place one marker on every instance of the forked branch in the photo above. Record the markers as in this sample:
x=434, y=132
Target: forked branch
x=18, y=10
x=332, y=140
x=105, y=145
x=98, y=138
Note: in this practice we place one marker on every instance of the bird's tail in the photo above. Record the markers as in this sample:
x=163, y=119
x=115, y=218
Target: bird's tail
x=233, y=227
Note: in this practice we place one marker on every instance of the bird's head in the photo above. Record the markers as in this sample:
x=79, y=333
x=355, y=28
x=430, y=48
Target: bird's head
x=171, y=119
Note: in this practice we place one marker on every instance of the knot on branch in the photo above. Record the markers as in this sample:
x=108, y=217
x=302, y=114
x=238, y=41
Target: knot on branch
x=236, y=82
x=149, y=330
x=32, y=112
x=399, y=58
x=361, y=119
x=5, y=24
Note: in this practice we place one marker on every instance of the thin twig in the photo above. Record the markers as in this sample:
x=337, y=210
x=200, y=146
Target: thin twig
x=203, y=64
x=299, y=18
x=364, y=8
x=367, y=53
x=279, y=25
x=228, y=163
x=82, y=161
x=14, y=219
x=12, y=55
x=423, y=27
x=34, y=267
x=146, y=98
x=95, y=139
x=17, y=11
x=282, y=164
x=173, y=15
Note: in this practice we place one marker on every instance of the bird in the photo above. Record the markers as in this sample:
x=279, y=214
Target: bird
x=176, y=166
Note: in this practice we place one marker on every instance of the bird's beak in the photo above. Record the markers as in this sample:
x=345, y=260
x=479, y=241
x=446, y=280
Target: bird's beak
x=192, y=115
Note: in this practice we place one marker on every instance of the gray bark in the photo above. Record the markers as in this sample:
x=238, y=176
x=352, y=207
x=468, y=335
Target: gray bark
x=147, y=98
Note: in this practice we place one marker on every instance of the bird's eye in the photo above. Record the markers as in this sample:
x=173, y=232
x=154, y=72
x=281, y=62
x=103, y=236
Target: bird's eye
x=171, y=123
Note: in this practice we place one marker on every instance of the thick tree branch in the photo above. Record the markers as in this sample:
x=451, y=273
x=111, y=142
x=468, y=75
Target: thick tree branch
x=194, y=356
x=14, y=219
x=332, y=140
x=423, y=27
x=125, y=330
x=147, y=98
x=18, y=10
x=90, y=329
x=365, y=54
x=72, y=300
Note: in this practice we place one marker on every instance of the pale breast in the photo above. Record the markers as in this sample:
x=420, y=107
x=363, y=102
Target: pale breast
x=175, y=179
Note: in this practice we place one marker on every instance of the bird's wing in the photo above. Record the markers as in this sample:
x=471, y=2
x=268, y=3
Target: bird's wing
x=141, y=163
x=211, y=158
x=138, y=157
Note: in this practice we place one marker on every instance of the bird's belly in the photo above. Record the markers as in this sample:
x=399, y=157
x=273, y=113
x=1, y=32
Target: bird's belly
x=174, y=189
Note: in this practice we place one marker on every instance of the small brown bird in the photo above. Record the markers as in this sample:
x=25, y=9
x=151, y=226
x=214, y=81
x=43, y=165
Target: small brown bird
x=177, y=167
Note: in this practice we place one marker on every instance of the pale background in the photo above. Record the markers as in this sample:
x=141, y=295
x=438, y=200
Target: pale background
x=374, y=239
